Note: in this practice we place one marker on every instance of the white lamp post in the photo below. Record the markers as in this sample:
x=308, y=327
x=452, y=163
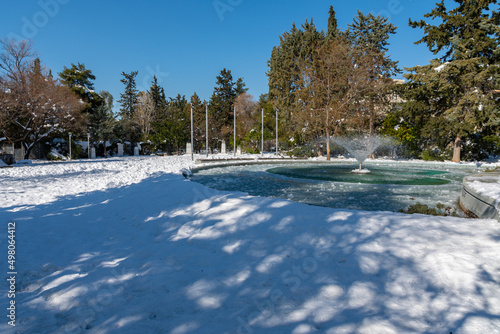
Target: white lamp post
x=276, y=131
x=206, y=128
x=234, y=144
x=262, y=134
x=192, y=147
x=70, y=145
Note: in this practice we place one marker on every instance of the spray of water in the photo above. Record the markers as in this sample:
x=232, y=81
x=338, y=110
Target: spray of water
x=362, y=146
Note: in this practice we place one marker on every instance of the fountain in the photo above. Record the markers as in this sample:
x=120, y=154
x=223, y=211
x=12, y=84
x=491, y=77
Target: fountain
x=361, y=148
x=389, y=186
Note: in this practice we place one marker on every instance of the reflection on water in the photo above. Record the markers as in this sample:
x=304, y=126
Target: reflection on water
x=387, y=187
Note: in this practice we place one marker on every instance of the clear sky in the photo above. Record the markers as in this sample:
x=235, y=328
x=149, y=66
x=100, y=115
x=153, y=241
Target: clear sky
x=186, y=43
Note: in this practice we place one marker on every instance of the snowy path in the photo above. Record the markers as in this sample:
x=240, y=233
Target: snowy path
x=130, y=246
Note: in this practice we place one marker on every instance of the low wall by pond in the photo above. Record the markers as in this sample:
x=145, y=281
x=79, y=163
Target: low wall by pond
x=476, y=203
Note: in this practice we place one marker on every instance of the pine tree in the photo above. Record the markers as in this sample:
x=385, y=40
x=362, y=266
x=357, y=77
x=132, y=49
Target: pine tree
x=221, y=107
x=240, y=87
x=103, y=121
x=369, y=37
x=198, y=122
x=81, y=81
x=179, y=122
x=332, y=31
x=289, y=59
x=467, y=72
x=128, y=99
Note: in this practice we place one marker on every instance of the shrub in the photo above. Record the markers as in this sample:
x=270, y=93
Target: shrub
x=439, y=210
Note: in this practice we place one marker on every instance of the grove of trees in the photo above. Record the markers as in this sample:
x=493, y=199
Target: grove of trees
x=322, y=83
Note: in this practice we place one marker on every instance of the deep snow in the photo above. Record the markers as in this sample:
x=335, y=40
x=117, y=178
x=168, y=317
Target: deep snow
x=128, y=245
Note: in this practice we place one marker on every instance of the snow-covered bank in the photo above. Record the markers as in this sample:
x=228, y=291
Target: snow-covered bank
x=129, y=245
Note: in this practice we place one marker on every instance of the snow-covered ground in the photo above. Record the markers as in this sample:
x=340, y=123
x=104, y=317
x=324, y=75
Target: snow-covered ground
x=128, y=245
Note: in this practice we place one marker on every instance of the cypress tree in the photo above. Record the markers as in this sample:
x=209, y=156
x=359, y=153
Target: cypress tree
x=332, y=30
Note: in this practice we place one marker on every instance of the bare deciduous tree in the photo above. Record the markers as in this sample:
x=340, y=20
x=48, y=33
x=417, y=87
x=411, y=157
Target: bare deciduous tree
x=246, y=113
x=33, y=105
x=144, y=115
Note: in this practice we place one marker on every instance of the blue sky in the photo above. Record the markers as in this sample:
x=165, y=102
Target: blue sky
x=187, y=43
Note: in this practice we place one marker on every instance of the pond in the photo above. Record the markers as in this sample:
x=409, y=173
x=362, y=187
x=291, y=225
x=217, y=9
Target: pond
x=388, y=187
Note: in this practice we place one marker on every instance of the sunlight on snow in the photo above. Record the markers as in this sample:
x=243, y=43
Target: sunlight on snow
x=61, y=280
x=112, y=264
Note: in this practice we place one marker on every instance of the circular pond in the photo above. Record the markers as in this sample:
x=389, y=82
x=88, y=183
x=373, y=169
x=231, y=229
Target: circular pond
x=390, y=187
x=377, y=175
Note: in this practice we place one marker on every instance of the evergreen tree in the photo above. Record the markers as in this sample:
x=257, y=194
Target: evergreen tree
x=103, y=121
x=155, y=92
x=179, y=117
x=240, y=87
x=221, y=107
x=128, y=99
x=289, y=59
x=369, y=37
x=332, y=31
x=198, y=122
x=81, y=81
x=161, y=120
x=269, y=121
x=467, y=73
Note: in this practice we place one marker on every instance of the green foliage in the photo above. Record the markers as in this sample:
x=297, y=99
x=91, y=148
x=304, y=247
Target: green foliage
x=332, y=30
x=81, y=81
x=432, y=155
x=221, y=106
x=295, y=52
x=369, y=34
x=492, y=170
x=172, y=127
x=457, y=89
x=128, y=99
x=305, y=151
x=398, y=129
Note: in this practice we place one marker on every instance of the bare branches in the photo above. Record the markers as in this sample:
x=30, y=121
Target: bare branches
x=32, y=104
x=16, y=59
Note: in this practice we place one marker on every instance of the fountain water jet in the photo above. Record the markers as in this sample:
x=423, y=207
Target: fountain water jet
x=361, y=147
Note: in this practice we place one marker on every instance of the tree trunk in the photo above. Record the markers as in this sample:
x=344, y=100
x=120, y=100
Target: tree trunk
x=105, y=151
x=457, y=150
x=328, y=156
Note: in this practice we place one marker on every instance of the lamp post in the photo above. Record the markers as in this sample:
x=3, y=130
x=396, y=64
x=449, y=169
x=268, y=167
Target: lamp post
x=206, y=128
x=276, y=131
x=192, y=147
x=262, y=134
x=70, y=145
x=234, y=144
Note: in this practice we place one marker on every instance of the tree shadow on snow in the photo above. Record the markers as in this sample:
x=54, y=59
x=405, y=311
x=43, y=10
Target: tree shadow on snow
x=171, y=256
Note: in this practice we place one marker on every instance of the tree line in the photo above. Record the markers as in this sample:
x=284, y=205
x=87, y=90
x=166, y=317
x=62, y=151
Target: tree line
x=321, y=83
